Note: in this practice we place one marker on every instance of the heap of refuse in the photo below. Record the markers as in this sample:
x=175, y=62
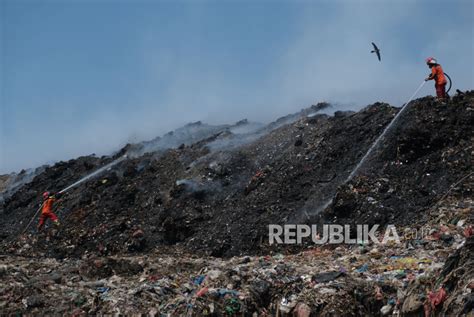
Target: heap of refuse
x=181, y=227
x=406, y=279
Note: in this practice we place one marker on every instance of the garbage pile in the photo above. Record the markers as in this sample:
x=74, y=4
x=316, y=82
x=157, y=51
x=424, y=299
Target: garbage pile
x=10, y=183
x=184, y=230
x=427, y=273
x=220, y=202
x=428, y=152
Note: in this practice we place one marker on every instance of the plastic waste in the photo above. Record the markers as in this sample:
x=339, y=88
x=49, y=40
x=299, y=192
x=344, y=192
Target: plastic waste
x=363, y=268
x=385, y=310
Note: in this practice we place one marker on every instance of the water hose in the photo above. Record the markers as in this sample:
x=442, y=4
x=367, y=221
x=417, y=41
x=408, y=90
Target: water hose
x=450, y=82
x=34, y=216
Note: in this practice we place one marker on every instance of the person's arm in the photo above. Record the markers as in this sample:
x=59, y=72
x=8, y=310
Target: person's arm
x=432, y=75
x=56, y=197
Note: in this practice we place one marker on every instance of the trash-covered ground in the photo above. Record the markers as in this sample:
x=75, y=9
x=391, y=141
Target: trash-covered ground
x=183, y=229
x=430, y=274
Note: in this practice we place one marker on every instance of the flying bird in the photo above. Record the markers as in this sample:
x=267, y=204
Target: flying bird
x=376, y=50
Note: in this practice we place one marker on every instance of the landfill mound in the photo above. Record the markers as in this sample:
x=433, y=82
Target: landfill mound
x=220, y=201
x=205, y=203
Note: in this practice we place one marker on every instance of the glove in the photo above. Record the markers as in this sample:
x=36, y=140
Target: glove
x=427, y=78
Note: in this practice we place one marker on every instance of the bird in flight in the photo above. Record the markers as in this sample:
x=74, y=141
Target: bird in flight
x=376, y=50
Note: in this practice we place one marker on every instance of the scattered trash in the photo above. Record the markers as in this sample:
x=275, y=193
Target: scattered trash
x=199, y=279
x=327, y=276
x=437, y=298
x=202, y=291
x=363, y=268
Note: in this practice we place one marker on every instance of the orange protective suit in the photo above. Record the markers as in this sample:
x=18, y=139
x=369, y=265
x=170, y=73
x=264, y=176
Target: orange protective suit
x=47, y=212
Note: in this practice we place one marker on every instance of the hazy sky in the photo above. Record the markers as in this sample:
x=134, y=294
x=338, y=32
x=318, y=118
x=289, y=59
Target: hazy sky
x=83, y=76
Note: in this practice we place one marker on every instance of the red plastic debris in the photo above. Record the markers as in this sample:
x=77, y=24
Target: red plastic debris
x=468, y=232
x=202, y=291
x=437, y=298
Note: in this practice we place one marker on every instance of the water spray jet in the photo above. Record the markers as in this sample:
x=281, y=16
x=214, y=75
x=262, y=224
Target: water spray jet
x=95, y=173
x=373, y=146
x=87, y=177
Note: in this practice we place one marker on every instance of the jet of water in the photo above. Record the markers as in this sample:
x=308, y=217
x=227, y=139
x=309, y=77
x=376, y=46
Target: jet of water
x=95, y=173
x=381, y=136
x=372, y=147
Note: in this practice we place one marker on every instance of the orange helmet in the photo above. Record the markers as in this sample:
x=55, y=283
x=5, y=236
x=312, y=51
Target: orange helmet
x=46, y=195
x=431, y=60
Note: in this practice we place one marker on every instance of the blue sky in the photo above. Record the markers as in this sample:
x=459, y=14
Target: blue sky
x=81, y=77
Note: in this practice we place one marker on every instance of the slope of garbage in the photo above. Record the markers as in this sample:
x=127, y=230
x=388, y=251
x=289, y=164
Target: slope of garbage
x=10, y=183
x=181, y=227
